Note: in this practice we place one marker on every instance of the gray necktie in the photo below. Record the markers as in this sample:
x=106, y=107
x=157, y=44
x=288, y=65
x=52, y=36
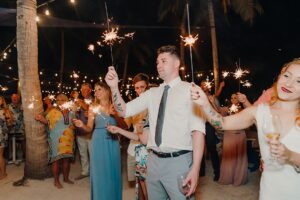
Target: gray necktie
x=160, y=116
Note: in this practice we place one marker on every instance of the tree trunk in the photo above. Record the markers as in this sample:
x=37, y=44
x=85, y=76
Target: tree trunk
x=36, y=165
x=213, y=43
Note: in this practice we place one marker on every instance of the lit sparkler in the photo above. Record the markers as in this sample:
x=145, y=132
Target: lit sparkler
x=88, y=101
x=225, y=74
x=233, y=108
x=91, y=48
x=189, y=40
x=239, y=73
x=246, y=83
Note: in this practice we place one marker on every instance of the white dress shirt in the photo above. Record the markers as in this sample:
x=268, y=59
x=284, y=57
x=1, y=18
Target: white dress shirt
x=182, y=116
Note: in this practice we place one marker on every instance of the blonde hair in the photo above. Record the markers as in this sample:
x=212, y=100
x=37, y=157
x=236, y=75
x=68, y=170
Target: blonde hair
x=274, y=96
x=106, y=88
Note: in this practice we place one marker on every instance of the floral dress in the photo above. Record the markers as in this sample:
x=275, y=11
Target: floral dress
x=141, y=155
x=61, y=134
x=3, y=129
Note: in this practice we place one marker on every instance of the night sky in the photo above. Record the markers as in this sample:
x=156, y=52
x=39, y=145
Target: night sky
x=263, y=47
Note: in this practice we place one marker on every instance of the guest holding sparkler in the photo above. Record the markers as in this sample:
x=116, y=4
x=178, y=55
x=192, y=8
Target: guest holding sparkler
x=61, y=138
x=105, y=160
x=280, y=179
x=137, y=152
x=176, y=138
x=234, y=164
x=84, y=140
x=210, y=137
x=6, y=121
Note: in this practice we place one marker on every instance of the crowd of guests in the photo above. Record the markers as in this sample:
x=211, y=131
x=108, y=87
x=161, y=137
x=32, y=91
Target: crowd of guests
x=169, y=127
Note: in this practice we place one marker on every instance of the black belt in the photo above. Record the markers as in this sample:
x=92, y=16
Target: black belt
x=172, y=154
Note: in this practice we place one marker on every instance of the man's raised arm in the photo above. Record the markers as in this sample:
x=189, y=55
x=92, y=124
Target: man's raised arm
x=112, y=80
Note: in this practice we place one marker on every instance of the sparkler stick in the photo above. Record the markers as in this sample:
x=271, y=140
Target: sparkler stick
x=190, y=46
x=108, y=29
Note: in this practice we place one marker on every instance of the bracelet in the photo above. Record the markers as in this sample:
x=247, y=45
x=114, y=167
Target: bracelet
x=297, y=168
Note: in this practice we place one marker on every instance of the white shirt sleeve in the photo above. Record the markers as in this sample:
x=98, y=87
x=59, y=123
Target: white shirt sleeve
x=197, y=120
x=138, y=105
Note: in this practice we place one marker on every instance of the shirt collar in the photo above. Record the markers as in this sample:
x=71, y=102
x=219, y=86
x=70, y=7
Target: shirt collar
x=173, y=82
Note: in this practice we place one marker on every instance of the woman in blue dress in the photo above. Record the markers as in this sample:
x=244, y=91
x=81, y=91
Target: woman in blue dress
x=105, y=158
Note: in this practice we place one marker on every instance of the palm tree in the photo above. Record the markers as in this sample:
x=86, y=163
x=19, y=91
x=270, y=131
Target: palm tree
x=134, y=49
x=36, y=165
x=247, y=9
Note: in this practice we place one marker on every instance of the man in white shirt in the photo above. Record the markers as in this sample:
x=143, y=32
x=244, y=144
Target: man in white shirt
x=178, y=148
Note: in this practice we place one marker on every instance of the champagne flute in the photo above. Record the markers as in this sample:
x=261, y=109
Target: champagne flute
x=184, y=189
x=272, y=127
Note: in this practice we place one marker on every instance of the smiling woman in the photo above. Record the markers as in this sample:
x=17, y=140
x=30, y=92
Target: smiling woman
x=282, y=183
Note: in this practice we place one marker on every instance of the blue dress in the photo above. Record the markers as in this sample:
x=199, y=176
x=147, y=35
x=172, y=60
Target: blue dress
x=105, y=162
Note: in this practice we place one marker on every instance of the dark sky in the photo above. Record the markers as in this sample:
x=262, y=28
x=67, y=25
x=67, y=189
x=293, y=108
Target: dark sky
x=263, y=47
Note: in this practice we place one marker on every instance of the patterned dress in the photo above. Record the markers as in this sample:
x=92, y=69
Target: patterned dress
x=61, y=134
x=18, y=126
x=3, y=129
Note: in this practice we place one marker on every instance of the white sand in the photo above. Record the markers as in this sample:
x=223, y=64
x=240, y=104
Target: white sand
x=44, y=190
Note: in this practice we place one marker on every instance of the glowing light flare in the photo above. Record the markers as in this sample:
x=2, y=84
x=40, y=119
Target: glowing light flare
x=189, y=40
x=88, y=101
x=233, y=108
x=111, y=37
x=225, y=74
x=91, y=48
x=75, y=75
x=47, y=12
x=246, y=83
x=239, y=73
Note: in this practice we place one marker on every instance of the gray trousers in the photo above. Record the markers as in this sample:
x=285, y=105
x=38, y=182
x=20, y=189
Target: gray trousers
x=162, y=176
x=84, y=147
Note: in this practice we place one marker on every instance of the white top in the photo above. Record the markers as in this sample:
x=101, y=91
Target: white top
x=133, y=121
x=283, y=183
x=182, y=116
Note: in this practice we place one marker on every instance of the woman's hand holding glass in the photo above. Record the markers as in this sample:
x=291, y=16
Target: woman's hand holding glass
x=272, y=129
x=279, y=151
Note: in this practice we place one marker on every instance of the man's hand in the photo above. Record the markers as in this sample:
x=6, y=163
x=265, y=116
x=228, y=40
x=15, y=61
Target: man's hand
x=192, y=181
x=111, y=78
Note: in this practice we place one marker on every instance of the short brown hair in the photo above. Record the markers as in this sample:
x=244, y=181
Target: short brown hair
x=141, y=77
x=86, y=84
x=168, y=49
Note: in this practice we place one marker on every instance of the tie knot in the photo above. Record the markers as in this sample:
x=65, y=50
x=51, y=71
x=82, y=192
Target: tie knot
x=166, y=87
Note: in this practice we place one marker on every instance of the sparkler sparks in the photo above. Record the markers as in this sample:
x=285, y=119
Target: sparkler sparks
x=239, y=73
x=246, y=83
x=189, y=40
x=88, y=101
x=69, y=105
x=91, y=48
x=225, y=74
x=233, y=108
x=111, y=37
